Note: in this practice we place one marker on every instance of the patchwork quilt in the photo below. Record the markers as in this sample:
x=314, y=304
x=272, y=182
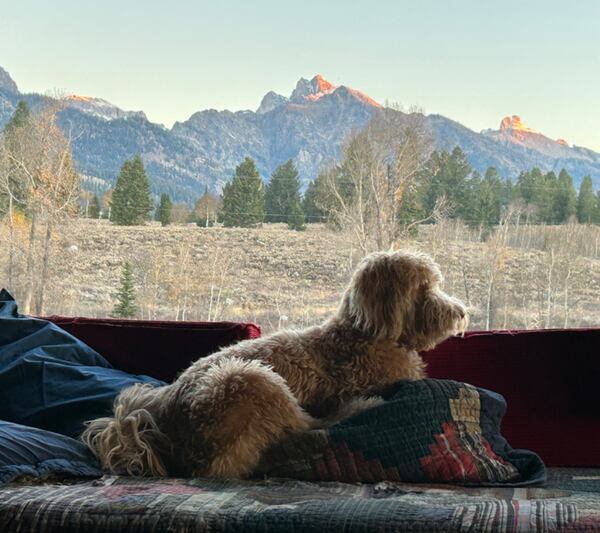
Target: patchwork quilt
x=569, y=501
x=427, y=431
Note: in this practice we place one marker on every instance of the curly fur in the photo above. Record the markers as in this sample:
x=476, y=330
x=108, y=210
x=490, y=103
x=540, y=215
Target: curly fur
x=221, y=412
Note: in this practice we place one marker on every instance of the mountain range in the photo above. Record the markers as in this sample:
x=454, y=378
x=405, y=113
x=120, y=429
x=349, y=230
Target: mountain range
x=309, y=127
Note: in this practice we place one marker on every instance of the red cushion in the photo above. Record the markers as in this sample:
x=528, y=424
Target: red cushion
x=159, y=349
x=550, y=379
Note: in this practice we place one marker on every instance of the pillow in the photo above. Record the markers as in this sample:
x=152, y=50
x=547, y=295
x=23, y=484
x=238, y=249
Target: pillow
x=51, y=380
x=26, y=451
x=427, y=431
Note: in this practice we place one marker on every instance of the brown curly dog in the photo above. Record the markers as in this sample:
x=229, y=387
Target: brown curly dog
x=221, y=412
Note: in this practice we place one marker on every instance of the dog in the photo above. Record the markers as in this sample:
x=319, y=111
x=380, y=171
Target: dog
x=218, y=416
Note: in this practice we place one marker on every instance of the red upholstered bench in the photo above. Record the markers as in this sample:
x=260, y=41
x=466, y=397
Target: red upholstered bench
x=551, y=382
x=158, y=349
x=550, y=378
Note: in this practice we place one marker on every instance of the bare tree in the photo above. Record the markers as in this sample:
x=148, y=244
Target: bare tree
x=46, y=163
x=495, y=258
x=378, y=177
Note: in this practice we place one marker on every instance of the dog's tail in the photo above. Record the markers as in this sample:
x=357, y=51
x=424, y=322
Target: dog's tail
x=131, y=441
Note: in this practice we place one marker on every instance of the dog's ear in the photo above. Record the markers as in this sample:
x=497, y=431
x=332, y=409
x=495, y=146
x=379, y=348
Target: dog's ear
x=130, y=442
x=374, y=300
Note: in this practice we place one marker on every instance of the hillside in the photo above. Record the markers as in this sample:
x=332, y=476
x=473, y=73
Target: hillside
x=543, y=277
x=309, y=127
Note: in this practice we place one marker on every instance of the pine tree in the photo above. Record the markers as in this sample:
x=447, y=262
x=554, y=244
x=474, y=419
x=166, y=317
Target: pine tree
x=538, y=189
x=125, y=306
x=446, y=174
x=282, y=193
x=316, y=199
x=528, y=183
x=411, y=208
x=544, y=196
x=488, y=199
x=94, y=207
x=507, y=194
x=163, y=211
x=130, y=203
x=244, y=197
x=19, y=118
x=565, y=198
x=474, y=200
x=586, y=201
x=296, y=217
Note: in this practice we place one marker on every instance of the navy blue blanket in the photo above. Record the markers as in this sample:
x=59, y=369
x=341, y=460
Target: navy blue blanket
x=51, y=380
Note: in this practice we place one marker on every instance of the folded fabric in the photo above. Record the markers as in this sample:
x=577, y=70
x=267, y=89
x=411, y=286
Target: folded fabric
x=51, y=380
x=428, y=431
x=26, y=451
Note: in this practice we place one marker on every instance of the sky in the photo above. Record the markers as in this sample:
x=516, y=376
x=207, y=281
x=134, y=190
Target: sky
x=472, y=61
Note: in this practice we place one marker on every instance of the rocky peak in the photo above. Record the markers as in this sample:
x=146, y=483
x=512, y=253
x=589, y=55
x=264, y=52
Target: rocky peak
x=514, y=123
x=7, y=83
x=311, y=89
x=270, y=101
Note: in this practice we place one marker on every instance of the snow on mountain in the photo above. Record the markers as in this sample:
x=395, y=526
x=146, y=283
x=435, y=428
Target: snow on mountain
x=101, y=108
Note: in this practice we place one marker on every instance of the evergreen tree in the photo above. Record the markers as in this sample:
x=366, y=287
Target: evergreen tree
x=163, y=211
x=130, y=203
x=565, y=198
x=507, y=194
x=296, y=217
x=94, y=207
x=446, y=174
x=527, y=182
x=125, y=306
x=244, y=197
x=411, y=208
x=19, y=118
x=282, y=193
x=488, y=199
x=539, y=190
x=586, y=201
x=316, y=199
x=544, y=196
x=597, y=210
x=472, y=208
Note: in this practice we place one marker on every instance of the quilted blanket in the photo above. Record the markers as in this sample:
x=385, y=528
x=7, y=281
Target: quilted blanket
x=570, y=501
x=427, y=431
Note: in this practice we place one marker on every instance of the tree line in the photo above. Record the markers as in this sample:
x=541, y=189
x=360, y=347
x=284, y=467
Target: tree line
x=477, y=200
x=387, y=178
x=247, y=202
x=244, y=202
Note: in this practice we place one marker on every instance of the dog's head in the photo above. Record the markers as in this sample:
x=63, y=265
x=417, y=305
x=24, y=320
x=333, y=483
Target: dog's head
x=396, y=295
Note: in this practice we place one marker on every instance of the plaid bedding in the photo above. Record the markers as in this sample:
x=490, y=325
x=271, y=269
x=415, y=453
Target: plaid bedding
x=569, y=501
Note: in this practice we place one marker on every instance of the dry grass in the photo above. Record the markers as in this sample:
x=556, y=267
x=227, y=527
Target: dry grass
x=282, y=278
